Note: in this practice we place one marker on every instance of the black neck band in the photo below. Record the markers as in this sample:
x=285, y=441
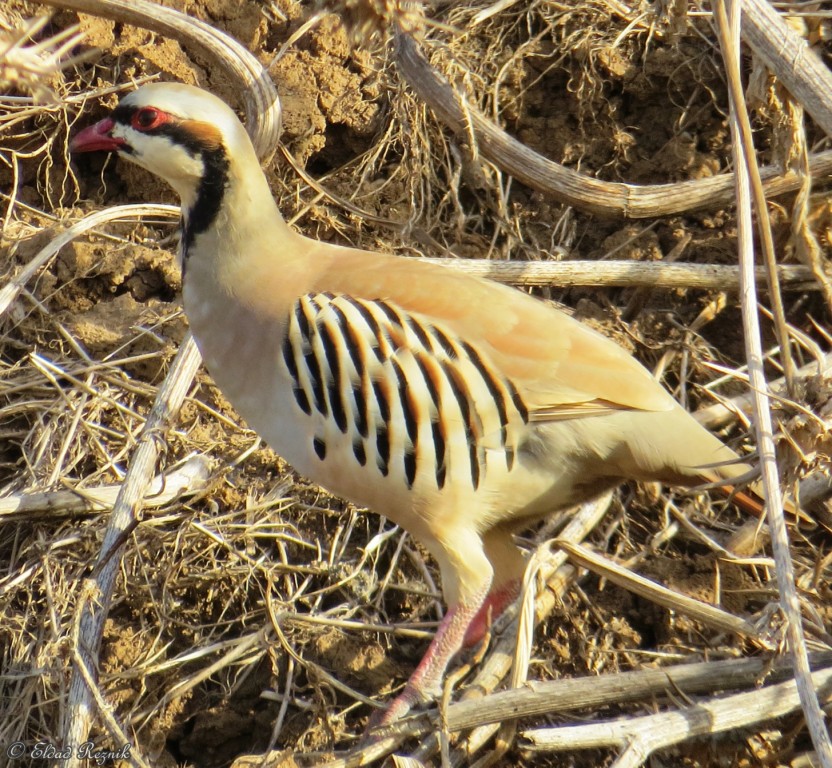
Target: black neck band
x=209, y=196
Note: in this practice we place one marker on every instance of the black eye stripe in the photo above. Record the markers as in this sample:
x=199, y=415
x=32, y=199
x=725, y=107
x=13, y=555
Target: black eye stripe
x=172, y=128
x=122, y=114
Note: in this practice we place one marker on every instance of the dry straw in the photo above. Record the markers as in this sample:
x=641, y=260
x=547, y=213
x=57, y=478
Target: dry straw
x=161, y=564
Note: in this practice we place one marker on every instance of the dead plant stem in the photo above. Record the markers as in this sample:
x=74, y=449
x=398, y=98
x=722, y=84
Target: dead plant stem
x=743, y=160
x=80, y=711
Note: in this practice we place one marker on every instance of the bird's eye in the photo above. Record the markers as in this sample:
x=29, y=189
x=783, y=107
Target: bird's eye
x=147, y=118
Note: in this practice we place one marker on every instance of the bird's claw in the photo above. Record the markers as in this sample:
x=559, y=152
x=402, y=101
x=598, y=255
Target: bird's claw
x=394, y=711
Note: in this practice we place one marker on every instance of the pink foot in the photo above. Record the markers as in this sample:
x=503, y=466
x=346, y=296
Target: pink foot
x=425, y=682
x=496, y=602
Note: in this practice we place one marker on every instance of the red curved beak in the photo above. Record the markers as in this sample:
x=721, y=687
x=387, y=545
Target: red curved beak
x=96, y=137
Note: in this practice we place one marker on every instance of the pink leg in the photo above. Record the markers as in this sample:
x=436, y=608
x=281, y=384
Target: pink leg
x=496, y=602
x=426, y=679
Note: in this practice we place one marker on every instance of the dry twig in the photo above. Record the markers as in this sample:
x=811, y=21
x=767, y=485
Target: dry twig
x=640, y=737
x=183, y=480
x=746, y=177
x=289, y=557
x=262, y=103
x=564, y=184
x=29, y=66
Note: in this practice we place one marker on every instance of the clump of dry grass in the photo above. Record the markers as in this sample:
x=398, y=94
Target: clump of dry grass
x=255, y=611
x=33, y=67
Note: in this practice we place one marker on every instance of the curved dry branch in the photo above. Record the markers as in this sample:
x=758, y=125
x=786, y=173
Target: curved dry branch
x=790, y=58
x=10, y=291
x=568, y=186
x=187, y=479
x=262, y=103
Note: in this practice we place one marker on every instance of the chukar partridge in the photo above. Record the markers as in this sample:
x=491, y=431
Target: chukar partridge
x=459, y=408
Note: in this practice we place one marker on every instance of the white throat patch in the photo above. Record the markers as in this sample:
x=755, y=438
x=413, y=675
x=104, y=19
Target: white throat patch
x=165, y=158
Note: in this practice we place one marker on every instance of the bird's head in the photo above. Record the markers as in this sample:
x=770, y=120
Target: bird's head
x=179, y=132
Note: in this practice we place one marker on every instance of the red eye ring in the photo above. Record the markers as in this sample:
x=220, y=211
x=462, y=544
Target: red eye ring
x=147, y=118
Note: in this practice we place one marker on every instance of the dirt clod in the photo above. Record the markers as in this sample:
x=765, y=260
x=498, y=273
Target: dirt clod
x=261, y=611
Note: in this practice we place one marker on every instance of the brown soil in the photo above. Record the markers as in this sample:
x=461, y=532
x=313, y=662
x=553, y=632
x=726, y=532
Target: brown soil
x=262, y=545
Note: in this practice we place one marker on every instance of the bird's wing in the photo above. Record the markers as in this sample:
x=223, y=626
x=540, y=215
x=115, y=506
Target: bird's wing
x=562, y=368
x=400, y=387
